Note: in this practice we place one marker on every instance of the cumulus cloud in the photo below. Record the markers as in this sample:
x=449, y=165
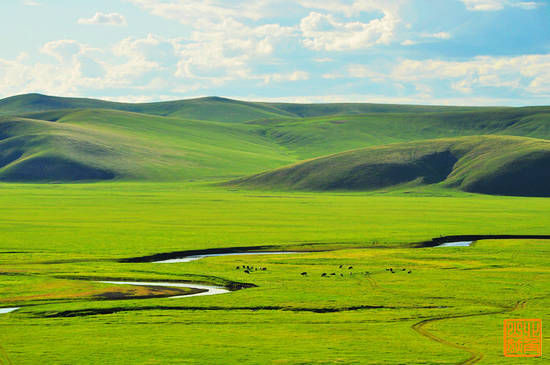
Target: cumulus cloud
x=31, y=3
x=104, y=19
x=63, y=50
x=324, y=32
x=529, y=73
x=227, y=50
x=494, y=5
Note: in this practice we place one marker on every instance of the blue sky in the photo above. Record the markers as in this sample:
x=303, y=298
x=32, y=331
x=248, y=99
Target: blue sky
x=460, y=52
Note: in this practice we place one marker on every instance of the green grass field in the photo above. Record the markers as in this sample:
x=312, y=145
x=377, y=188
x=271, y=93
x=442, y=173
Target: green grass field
x=87, y=184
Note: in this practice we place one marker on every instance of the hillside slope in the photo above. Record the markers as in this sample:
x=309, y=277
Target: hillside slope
x=210, y=108
x=480, y=164
x=221, y=109
x=313, y=137
x=87, y=145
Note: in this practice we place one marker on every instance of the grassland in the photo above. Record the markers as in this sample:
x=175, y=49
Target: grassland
x=54, y=234
x=160, y=174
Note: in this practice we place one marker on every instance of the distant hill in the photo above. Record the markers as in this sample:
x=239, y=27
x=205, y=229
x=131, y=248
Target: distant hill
x=212, y=108
x=480, y=164
x=317, y=136
x=91, y=145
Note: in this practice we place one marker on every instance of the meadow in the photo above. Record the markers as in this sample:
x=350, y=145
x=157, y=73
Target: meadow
x=56, y=235
x=88, y=184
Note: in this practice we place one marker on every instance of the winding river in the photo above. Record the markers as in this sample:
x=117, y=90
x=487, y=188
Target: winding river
x=209, y=289
x=198, y=257
x=456, y=244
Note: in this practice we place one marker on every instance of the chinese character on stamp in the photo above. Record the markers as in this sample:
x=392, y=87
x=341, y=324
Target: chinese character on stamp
x=522, y=337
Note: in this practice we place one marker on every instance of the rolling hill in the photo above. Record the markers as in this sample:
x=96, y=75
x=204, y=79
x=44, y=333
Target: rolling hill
x=217, y=108
x=481, y=164
x=209, y=108
x=54, y=139
x=90, y=144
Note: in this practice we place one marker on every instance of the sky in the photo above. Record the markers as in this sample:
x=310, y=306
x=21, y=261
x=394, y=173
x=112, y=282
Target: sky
x=448, y=52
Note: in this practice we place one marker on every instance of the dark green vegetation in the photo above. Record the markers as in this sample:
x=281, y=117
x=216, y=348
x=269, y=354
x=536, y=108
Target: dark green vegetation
x=379, y=178
x=486, y=164
x=51, y=139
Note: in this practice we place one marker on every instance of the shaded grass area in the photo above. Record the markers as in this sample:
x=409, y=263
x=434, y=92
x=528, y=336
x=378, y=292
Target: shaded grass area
x=482, y=164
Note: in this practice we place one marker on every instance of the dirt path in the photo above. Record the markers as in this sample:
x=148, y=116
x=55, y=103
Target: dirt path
x=475, y=355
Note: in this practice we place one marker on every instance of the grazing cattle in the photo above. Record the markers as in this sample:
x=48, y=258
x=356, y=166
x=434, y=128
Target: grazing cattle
x=410, y=271
x=403, y=269
x=237, y=268
x=264, y=268
x=393, y=272
x=304, y=273
x=246, y=271
x=351, y=267
x=342, y=275
x=333, y=273
x=324, y=274
x=340, y=266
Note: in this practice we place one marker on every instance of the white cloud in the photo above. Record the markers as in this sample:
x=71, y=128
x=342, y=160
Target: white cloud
x=356, y=71
x=104, y=19
x=31, y=3
x=420, y=98
x=354, y=8
x=439, y=35
x=221, y=46
x=198, y=11
x=323, y=59
x=228, y=50
x=529, y=73
x=494, y=5
x=408, y=42
x=324, y=32
x=63, y=50
x=280, y=77
x=361, y=71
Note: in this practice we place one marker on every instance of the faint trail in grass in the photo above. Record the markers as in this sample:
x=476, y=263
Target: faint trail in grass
x=4, y=358
x=475, y=355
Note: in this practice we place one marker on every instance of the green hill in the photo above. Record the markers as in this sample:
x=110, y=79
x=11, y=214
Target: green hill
x=210, y=108
x=45, y=138
x=313, y=137
x=481, y=164
x=216, y=108
x=102, y=144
